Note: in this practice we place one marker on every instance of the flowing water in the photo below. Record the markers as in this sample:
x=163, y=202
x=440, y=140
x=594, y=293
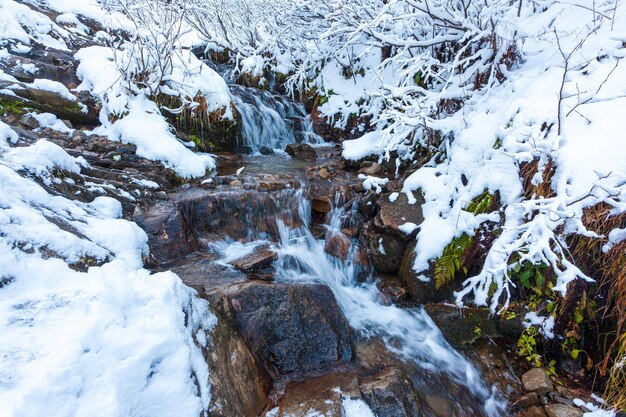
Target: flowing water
x=270, y=122
x=408, y=333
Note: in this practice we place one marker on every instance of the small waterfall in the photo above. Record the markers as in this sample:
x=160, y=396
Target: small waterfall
x=409, y=333
x=270, y=121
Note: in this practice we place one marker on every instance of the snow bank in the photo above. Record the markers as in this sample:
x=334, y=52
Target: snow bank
x=112, y=341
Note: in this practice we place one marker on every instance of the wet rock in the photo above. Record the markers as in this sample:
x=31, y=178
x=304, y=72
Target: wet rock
x=390, y=394
x=362, y=264
x=258, y=264
x=462, y=327
x=371, y=168
x=441, y=406
x=292, y=328
x=392, y=289
x=239, y=384
x=200, y=272
x=527, y=400
x=169, y=237
x=534, y=411
x=266, y=150
x=392, y=215
x=421, y=291
x=301, y=151
x=319, y=396
x=324, y=174
x=337, y=244
x=562, y=410
x=386, y=252
x=496, y=366
x=537, y=380
x=240, y=214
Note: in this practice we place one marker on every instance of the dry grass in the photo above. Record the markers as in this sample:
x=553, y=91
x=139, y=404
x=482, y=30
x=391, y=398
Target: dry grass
x=609, y=269
x=528, y=170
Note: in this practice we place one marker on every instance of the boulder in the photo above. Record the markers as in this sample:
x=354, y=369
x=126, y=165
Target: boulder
x=302, y=151
x=421, y=291
x=392, y=215
x=266, y=150
x=537, y=380
x=534, y=411
x=293, y=329
x=562, y=410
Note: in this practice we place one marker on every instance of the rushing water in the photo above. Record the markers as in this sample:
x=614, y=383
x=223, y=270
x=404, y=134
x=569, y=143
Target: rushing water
x=409, y=333
x=270, y=121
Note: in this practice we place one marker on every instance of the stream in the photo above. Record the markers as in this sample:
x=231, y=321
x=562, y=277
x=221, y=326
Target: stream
x=258, y=233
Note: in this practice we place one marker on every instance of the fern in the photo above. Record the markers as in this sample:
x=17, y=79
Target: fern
x=481, y=204
x=451, y=261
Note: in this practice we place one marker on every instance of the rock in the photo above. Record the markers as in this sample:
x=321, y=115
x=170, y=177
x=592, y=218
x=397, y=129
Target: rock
x=29, y=121
x=562, y=410
x=168, y=235
x=393, y=215
x=239, y=384
x=301, y=151
x=537, y=380
x=390, y=394
x=422, y=292
x=372, y=169
x=318, y=396
x=565, y=392
x=50, y=102
x=337, y=244
x=496, y=366
x=440, y=405
x=386, y=252
x=266, y=150
x=534, y=411
x=392, y=289
x=462, y=327
x=200, y=272
x=362, y=264
x=257, y=264
x=527, y=400
x=292, y=329
x=324, y=174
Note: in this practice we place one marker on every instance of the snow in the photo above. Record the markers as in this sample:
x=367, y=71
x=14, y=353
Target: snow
x=50, y=121
x=593, y=410
x=544, y=324
x=112, y=340
x=373, y=183
x=360, y=148
x=356, y=408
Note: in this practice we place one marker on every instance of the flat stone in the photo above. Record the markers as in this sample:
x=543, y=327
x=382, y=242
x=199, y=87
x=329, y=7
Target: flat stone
x=562, y=410
x=258, y=263
x=373, y=169
x=537, y=380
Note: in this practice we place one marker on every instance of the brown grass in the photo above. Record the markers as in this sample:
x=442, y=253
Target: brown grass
x=528, y=170
x=609, y=269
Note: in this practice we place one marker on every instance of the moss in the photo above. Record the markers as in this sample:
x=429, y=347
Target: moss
x=14, y=107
